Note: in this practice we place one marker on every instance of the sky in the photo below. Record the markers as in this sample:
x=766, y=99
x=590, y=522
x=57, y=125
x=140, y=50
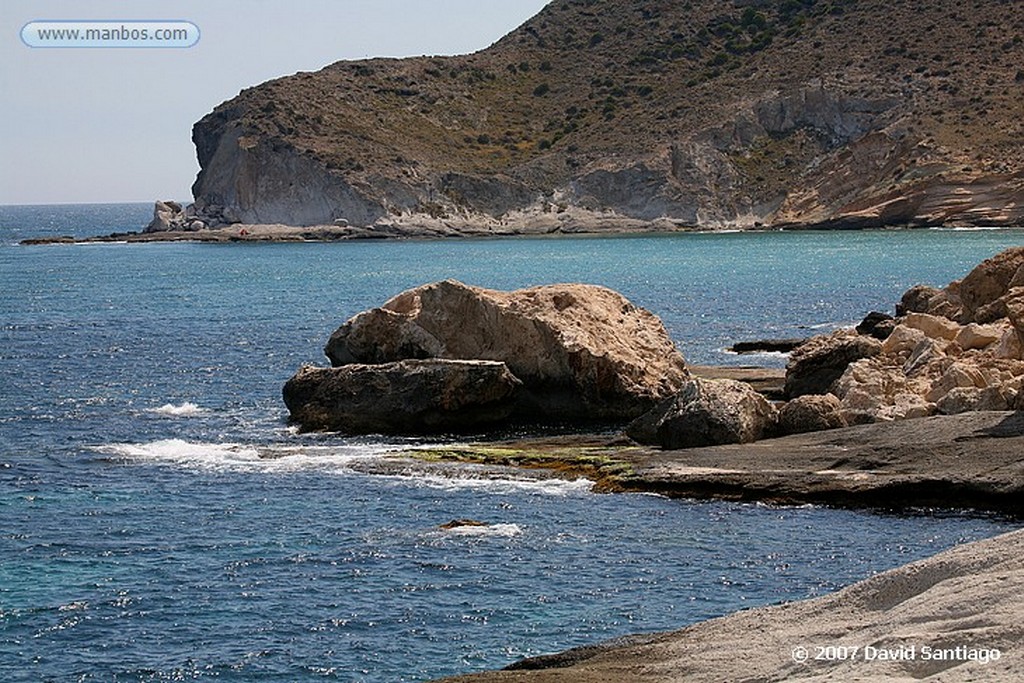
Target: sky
x=114, y=124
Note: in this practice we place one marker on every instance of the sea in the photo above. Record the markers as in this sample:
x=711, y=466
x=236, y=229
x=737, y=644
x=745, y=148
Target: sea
x=160, y=520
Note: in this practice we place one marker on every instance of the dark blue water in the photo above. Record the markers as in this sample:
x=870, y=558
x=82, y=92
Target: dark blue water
x=158, y=520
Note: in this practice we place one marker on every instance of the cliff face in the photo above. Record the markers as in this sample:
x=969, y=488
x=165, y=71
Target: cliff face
x=618, y=114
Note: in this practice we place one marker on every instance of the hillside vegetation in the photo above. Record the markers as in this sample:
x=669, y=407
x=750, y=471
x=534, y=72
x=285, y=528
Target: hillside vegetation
x=626, y=113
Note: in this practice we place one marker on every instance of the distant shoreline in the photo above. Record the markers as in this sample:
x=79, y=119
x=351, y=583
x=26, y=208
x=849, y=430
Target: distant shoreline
x=277, y=233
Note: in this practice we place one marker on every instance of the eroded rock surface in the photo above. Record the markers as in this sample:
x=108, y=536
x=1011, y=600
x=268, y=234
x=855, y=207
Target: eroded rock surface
x=707, y=412
x=581, y=351
x=818, y=363
x=950, y=350
x=405, y=397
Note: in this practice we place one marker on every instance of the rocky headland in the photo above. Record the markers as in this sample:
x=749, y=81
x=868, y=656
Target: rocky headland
x=622, y=115
x=643, y=115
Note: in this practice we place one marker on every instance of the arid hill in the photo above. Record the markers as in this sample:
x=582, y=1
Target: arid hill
x=630, y=114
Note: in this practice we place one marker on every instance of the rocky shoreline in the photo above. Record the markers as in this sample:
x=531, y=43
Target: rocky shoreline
x=970, y=597
x=174, y=223
x=968, y=461
x=952, y=617
x=421, y=228
x=919, y=411
x=923, y=409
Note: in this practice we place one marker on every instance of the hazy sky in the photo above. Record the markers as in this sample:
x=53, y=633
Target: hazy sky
x=112, y=125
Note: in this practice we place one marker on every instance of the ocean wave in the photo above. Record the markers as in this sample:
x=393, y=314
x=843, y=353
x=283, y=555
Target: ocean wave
x=831, y=325
x=756, y=354
x=184, y=452
x=497, y=485
x=186, y=409
x=336, y=459
x=239, y=457
x=497, y=530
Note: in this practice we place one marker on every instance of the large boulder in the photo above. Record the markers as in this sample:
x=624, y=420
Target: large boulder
x=707, y=412
x=811, y=413
x=878, y=390
x=406, y=397
x=816, y=365
x=917, y=299
x=1013, y=303
x=581, y=351
x=167, y=215
x=990, y=281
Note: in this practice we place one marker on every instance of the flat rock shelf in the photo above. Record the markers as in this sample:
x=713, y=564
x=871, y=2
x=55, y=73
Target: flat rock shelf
x=972, y=461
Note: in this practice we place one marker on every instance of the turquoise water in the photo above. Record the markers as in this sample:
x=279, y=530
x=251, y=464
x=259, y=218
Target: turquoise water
x=159, y=521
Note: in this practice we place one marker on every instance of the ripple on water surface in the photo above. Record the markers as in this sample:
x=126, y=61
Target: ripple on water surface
x=169, y=558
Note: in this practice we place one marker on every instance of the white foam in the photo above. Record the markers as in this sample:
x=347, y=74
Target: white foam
x=186, y=409
x=337, y=459
x=756, y=354
x=833, y=325
x=976, y=228
x=184, y=452
x=499, y=485
x=497, y=530
x=243, y=457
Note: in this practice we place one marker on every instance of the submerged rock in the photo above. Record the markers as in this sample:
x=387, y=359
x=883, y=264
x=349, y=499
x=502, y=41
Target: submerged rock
x=413, y=396
x=767, y=345
x=707, y=412
x=461, y=523
x=581, y=351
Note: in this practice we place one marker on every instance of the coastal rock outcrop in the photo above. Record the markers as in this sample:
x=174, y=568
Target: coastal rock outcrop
x=581, y=351
x=811, y=413
x=981, y=297
x=988, y=283
x=169, y=216
x=950, y=350
x=815, y=365
x=405, y=397
x=447, y=356
x=707, y=412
